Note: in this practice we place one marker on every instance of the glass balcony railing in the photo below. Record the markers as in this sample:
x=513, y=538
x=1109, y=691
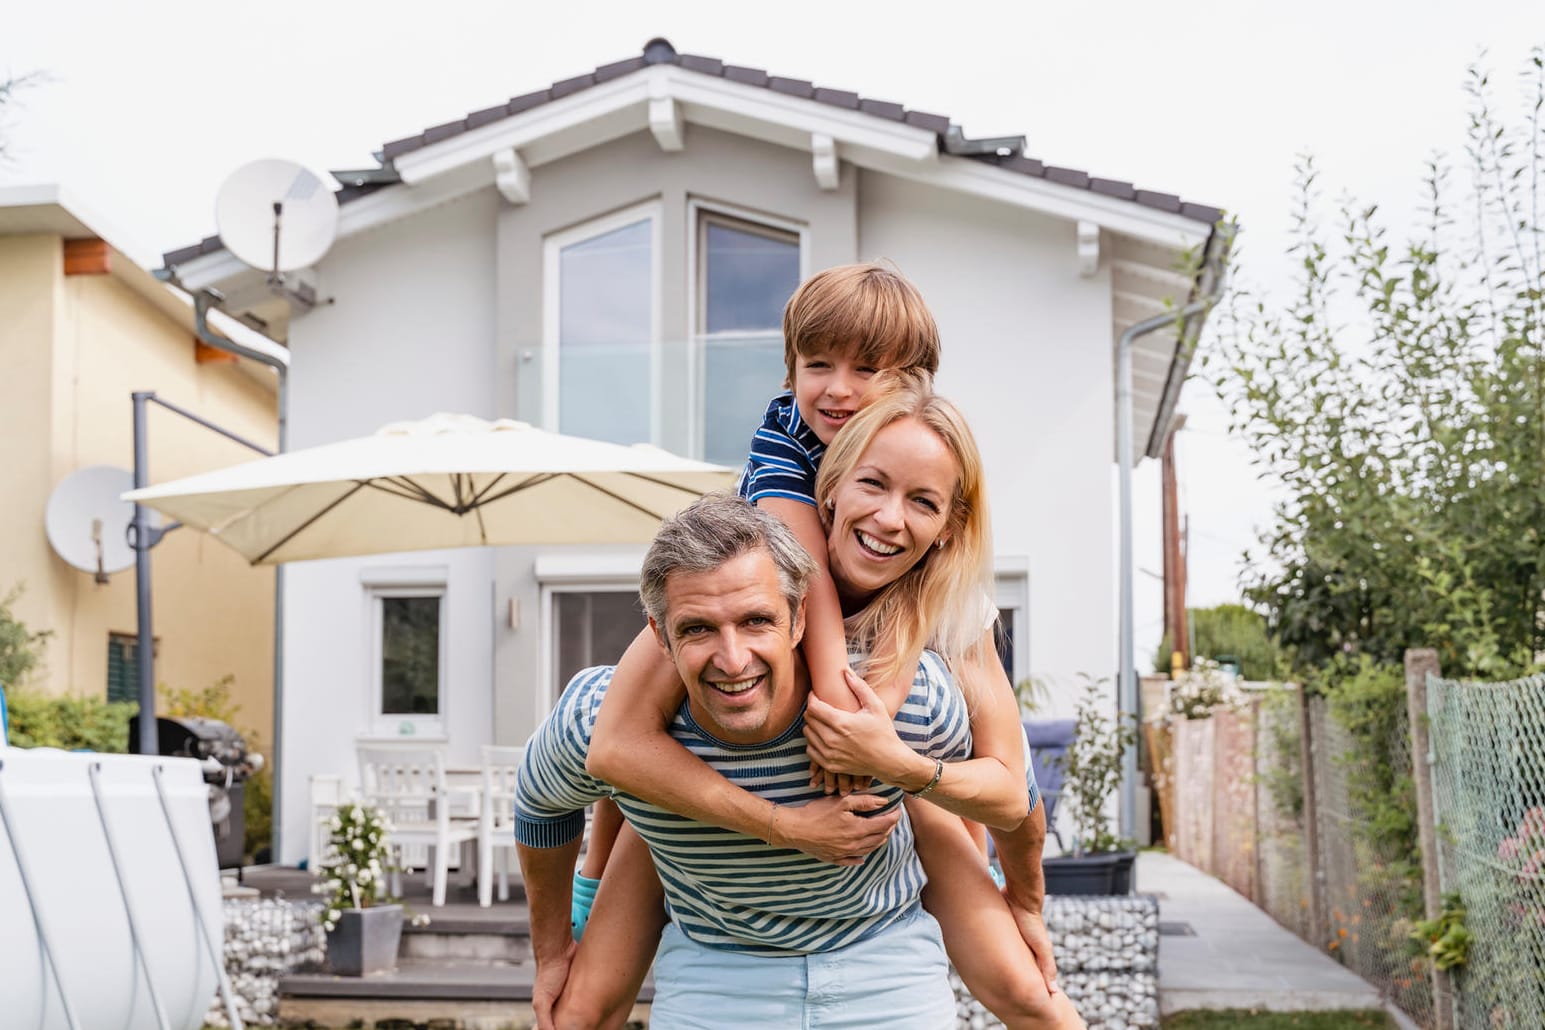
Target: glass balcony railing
x=702, y=398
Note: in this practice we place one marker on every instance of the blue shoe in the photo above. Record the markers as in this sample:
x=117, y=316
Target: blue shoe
x=996, y=874
x=584, y=897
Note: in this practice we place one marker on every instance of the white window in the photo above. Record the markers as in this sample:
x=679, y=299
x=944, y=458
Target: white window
x=601, y=286
x=1012, y=632
x=746, y=270
x=592, y=627
x=407, y=662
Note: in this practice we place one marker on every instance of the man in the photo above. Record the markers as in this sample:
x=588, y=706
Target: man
x=759, y=935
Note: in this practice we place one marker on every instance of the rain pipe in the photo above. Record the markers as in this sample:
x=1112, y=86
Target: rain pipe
x=280, y=363
x=1126, y=686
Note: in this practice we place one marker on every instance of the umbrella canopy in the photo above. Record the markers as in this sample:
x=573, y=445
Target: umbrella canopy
x=447, y=481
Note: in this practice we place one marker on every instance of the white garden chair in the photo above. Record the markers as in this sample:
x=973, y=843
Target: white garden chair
x=496, y=823
x=408, y=784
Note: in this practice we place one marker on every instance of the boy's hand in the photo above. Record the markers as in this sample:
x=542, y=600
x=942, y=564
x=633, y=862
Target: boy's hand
x=836, y=783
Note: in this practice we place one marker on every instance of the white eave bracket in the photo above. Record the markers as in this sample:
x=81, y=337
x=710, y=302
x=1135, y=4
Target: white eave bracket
x=665, y=117
x=511, y=176
x=1088, y=248
x=823, y=155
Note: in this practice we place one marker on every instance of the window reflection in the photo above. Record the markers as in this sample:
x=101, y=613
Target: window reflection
x=748, y=274
x=605, y=335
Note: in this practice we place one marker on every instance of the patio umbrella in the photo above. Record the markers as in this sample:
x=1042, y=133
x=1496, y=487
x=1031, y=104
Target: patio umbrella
x=447, y=481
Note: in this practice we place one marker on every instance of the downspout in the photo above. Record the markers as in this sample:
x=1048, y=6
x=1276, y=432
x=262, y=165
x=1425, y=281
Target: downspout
x=1126, y=685
x=202, y=301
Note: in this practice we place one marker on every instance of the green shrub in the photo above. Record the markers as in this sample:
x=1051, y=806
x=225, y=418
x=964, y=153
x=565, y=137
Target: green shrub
x=68, y=722
x=21, y=650
x=1227, y=631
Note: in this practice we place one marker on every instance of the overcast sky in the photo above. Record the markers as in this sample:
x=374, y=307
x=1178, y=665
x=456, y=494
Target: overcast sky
x=147, y=106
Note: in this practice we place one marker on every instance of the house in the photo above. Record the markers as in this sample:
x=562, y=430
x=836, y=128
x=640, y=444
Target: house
x=82, y=325
x=608, y=257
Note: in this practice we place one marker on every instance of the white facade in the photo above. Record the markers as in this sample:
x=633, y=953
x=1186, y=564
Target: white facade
x=444, y=297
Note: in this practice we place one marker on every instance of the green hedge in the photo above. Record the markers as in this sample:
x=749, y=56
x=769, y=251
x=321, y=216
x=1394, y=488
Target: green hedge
x=70, y=723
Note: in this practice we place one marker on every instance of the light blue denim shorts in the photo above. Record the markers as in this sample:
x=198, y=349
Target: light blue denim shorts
x=898, y=979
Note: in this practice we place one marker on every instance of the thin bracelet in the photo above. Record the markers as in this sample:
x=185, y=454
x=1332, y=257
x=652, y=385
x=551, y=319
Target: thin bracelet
x=938, y=770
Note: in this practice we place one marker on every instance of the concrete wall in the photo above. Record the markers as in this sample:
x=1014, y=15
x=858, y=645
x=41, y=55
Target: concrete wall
x=81, y=346
x=410, y=332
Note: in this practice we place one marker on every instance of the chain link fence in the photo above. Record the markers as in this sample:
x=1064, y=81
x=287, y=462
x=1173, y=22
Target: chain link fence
x=1488, y=780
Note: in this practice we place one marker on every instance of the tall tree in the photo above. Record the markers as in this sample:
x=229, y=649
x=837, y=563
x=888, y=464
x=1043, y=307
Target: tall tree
x=1400, y=399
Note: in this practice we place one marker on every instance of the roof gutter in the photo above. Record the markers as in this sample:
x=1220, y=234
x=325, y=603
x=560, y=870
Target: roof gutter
x=1190, y=318
x=1209, y=283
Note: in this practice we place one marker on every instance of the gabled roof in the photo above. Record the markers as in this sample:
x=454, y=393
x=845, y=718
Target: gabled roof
x=1001, y=152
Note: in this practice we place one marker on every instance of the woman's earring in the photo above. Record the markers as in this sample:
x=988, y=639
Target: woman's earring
x=939, y=544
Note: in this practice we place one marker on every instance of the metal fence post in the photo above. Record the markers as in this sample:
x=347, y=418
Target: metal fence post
x=1420, y=662
x=1316, y=878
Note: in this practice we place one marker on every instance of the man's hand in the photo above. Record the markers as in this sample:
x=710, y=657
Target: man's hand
x=835, y=829
x=1032, y=927
x=552, y=972
x=861, y=743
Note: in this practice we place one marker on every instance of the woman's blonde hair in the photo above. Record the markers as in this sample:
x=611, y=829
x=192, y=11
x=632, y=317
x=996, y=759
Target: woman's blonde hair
x=940, y=602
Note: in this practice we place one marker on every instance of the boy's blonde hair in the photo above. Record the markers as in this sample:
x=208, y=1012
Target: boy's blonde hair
x=868, y=310
x=941, y=602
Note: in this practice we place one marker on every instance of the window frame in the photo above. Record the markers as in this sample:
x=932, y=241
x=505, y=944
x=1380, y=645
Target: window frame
x=553, y=245
x=701, y=212
x=1011, y=591
x=551, y=688
x=379, y=586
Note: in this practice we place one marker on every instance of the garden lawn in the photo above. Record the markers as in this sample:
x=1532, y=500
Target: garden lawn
x=1250, y=1019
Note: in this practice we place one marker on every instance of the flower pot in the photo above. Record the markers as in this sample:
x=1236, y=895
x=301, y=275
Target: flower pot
x=1107, y=873
x=365, y=940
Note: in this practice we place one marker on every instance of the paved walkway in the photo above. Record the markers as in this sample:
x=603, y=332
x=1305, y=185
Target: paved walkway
x=1239, y=957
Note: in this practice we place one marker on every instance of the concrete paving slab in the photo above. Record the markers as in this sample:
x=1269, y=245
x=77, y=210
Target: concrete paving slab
x=1236, y=955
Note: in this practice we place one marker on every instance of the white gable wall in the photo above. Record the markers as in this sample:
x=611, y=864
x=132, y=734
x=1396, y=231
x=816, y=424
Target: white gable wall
x=410, y=332
x=1027, y=356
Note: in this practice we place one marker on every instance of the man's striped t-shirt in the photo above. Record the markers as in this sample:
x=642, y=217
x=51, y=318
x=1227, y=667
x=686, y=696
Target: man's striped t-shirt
x=785, y=454
x=725, y=889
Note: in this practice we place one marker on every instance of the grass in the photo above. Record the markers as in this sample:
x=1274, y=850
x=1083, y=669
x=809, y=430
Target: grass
x=1251, y=1019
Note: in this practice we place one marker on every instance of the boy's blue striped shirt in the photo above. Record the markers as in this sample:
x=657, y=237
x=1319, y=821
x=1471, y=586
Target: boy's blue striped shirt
x=785, y=454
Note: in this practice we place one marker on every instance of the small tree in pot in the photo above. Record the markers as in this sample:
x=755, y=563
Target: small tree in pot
x=364, y=926
x=1091, y=768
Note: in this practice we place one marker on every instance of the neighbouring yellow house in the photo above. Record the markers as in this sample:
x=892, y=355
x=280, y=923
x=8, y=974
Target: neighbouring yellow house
x=82, y=326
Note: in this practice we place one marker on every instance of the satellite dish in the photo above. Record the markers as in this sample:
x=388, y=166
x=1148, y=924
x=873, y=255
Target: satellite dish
x=87, y=521
x=276, y=215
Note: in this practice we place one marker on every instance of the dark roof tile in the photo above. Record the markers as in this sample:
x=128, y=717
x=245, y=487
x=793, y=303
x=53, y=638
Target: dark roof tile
x=932, y=122
x=1113, y=188
x=617, y=69
x=486, y=115
x=446, y=130
x=706, y=65
x=526, y=101
x=574, y=85
x=793, y=87
x=1067, y=176
x=1200, y=212
x=750, y=76
x=883, y=109
x=1163, y=201
x=1024, y=165
x=837, y=98
x=398, y=147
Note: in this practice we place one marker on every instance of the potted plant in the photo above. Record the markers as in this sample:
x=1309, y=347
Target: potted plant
x=364, y=926
x=1091, y=768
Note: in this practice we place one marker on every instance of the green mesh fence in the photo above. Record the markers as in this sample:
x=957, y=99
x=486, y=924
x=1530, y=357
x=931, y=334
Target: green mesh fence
x=1488, y=779
x=1371, y=883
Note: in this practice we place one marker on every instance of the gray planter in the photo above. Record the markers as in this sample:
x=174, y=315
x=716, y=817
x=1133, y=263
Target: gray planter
x=365, y=941
x=1106, y=873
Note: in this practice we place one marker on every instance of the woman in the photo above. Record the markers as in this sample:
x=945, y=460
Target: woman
x=901, y=492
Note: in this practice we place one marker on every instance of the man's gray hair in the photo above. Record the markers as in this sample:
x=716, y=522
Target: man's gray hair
x=709, y=532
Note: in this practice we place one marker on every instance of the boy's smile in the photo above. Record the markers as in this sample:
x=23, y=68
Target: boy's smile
x=829, y=388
